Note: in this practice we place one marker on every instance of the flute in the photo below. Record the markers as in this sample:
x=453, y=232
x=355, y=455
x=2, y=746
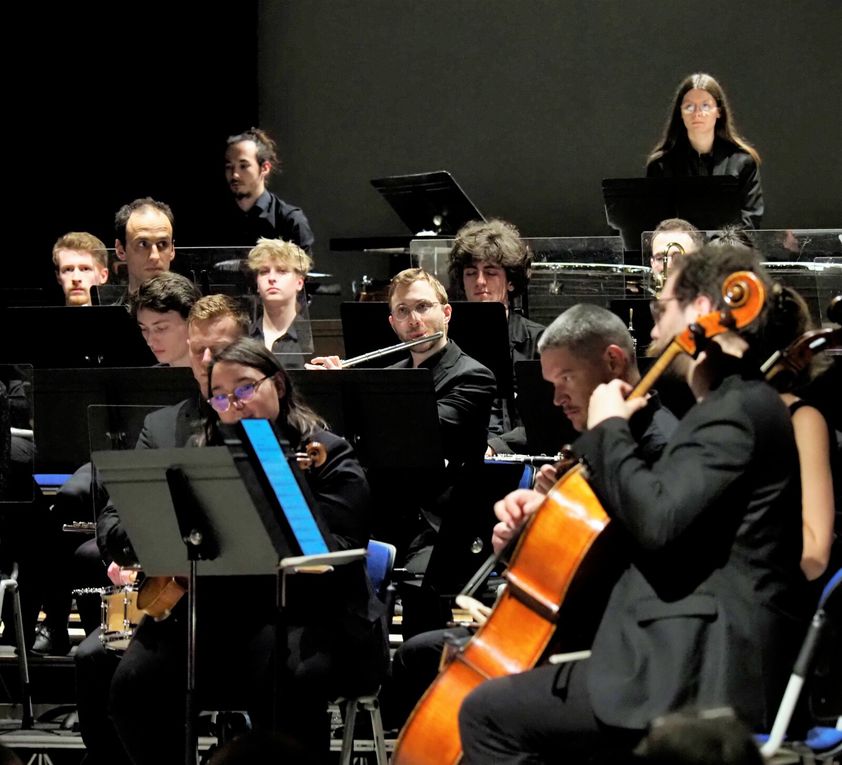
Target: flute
x=386, y=351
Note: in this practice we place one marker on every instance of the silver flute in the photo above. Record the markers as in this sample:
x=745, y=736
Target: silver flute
x=386, y=351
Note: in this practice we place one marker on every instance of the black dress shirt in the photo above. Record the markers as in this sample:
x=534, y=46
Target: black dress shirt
x=269, y=217
x=725, y=159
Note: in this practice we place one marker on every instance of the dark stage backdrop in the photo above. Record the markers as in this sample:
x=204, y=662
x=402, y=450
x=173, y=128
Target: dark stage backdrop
x=531, y=103
x=104, y=103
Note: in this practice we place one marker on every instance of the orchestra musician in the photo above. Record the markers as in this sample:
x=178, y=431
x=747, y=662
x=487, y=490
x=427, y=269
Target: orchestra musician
x=672, y=238
x=583, y=347
x=333, y=621
x=813, y=434
x=250, y=158
x=144, y=240
x=464, y=391
x=161, y=307
x=700, y=138
x=710, y=609
x=489, y=262
x=81, y=262
x=214, y=321
x=280, y=269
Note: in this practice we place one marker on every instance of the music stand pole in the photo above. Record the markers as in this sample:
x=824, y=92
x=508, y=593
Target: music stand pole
x=201, y=545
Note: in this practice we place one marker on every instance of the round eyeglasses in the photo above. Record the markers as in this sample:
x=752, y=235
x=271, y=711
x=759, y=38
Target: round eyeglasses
x=658, y=307
x=221, y=402
x=703, y=109
x=422, y=307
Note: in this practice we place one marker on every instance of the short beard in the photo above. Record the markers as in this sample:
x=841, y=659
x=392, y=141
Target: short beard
x=238, y=195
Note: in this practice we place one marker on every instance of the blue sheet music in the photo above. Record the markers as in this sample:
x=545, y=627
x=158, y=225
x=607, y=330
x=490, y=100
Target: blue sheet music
x=286, y=489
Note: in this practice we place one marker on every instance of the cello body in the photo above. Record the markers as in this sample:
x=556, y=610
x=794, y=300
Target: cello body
x=546, y=563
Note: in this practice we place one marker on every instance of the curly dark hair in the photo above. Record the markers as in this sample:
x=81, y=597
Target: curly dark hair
x=495, y=241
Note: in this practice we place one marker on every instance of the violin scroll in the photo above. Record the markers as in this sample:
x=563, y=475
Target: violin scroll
x=314, y=455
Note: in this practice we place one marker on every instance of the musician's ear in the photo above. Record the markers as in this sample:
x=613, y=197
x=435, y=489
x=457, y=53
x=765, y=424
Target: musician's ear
x=447, y=309
x=392, y=324
x=279, y=385
x=616, y=360
x=703, y=304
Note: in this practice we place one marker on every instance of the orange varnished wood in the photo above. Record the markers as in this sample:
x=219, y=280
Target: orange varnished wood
x=550, y=551
x=514, y=639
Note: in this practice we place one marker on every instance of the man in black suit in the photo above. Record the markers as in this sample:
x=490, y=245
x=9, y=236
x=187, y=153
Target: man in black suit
x=441, y=507
x=707, y=613
x=214, y=322
x=584, y=346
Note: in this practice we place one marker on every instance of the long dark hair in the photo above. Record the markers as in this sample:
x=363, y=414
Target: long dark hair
x=675, y=134
x=296, y=420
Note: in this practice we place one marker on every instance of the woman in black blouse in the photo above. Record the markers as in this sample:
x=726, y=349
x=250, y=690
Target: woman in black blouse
x=700, y=138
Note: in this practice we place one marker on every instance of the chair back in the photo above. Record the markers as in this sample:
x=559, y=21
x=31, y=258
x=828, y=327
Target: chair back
x=380, y=561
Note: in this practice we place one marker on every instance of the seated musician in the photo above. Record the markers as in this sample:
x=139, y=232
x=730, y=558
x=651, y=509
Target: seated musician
x=814, y=436
x=464, y=392
x=81, y=262
x=709, y=611
x=161, y=306
x=333, y=626
x=489, y=262
x=143, y=240
x=214, y=321
x=280, y=269
x=671, y=239
x=583, y=347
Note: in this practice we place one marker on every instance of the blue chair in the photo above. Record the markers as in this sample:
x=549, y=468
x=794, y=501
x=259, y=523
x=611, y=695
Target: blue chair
x=380, y=562
x=821, y=744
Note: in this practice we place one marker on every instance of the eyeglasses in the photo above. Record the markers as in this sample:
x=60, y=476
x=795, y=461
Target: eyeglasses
x=403, y=312
x=658, y=308
x=221, y=402
x=704, y=109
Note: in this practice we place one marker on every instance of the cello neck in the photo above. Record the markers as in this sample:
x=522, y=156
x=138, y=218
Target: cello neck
x=656, y=370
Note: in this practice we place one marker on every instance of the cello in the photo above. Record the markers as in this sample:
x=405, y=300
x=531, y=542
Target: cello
x=553, y=552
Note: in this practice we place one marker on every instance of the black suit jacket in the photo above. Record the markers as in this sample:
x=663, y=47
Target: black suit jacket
x=708, y=613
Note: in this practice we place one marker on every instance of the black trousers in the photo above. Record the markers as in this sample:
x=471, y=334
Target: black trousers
x=95, y=667
x=540, y=716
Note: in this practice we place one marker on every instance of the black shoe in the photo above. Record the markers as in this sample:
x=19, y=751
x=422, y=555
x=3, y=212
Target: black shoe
x=50, y=641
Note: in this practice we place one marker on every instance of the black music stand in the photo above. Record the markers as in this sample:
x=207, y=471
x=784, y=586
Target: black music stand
x=428, y=203
x=547, y=428
x=389, y=415
x=635, y=205
x=480, y=329
x=237, y=510
x=64, y=395
x=62, y=337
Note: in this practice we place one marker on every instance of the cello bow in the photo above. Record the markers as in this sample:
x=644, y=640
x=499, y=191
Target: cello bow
x=556, y=545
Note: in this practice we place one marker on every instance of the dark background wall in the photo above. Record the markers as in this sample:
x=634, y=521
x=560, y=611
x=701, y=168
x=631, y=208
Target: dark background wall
x=107, y=103
x=530, y=104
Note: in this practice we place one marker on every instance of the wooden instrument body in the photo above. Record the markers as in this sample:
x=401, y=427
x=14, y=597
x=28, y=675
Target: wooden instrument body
x=545, y=564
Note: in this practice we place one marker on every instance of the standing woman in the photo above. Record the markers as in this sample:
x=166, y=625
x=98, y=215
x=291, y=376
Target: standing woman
x=700, y=138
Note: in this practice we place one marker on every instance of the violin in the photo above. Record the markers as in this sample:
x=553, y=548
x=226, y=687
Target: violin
x=553, y=554
x=158, y=595
x=796, y=357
